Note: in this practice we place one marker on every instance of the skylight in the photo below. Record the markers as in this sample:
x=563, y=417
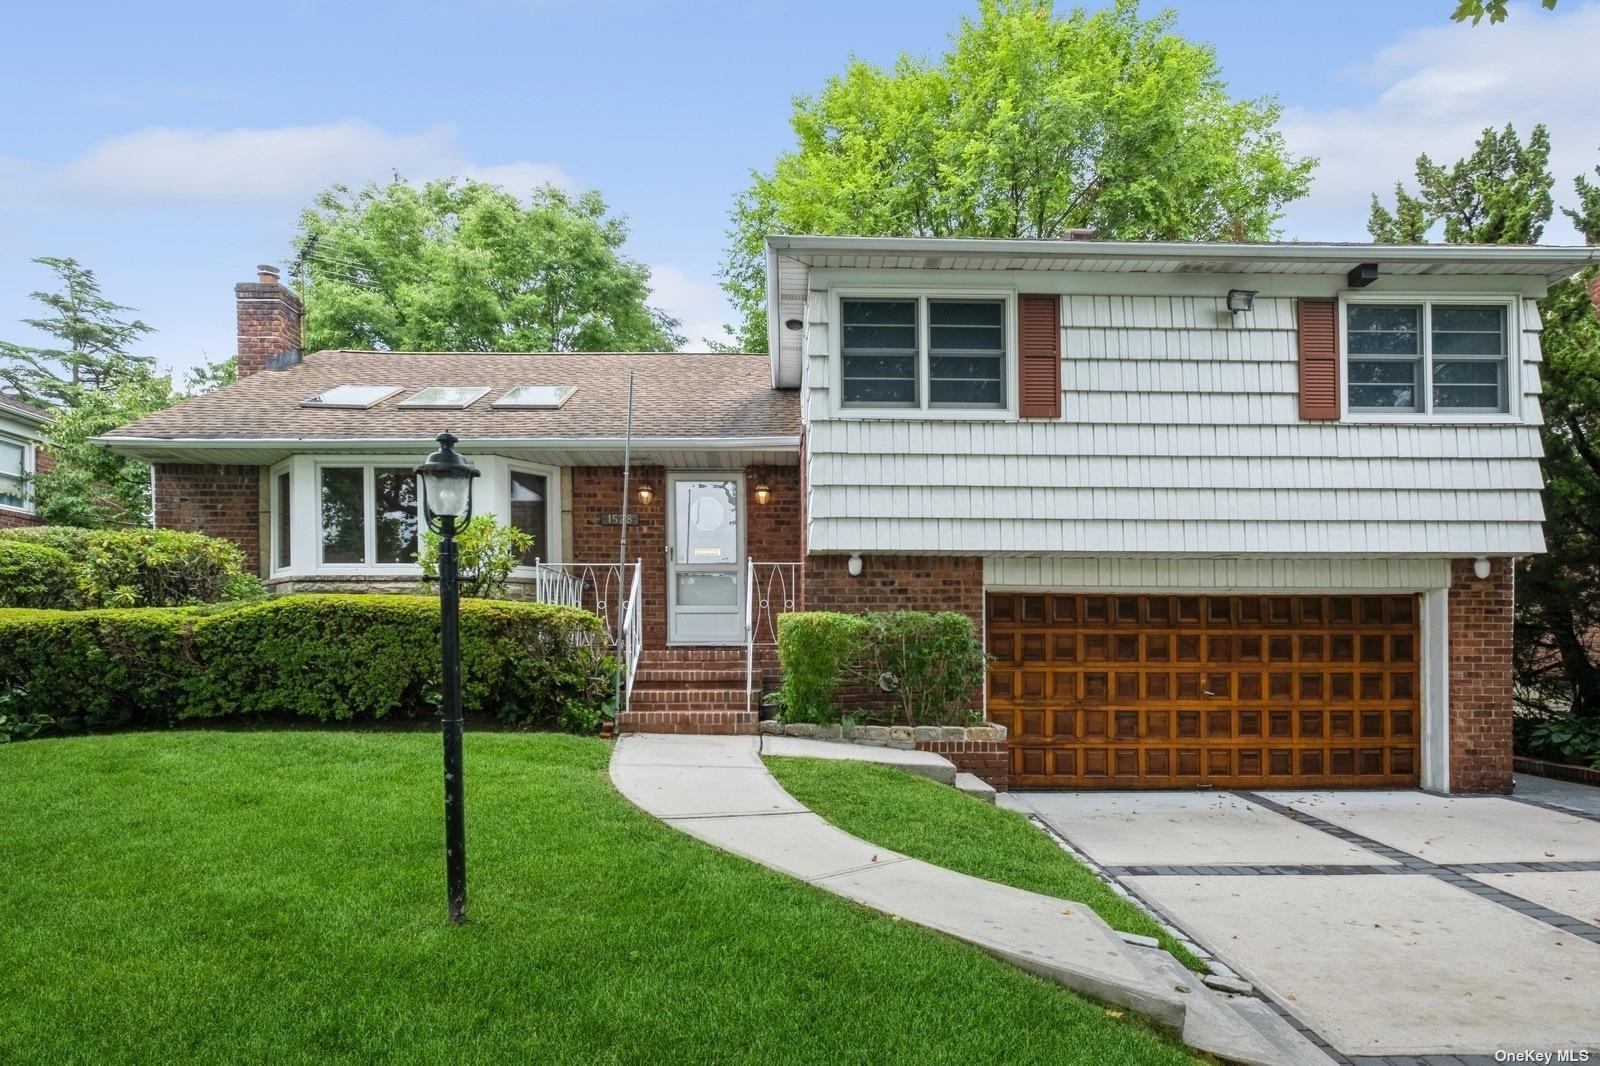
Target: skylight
x=359, y=397
x=537, y=396
x=452, y=396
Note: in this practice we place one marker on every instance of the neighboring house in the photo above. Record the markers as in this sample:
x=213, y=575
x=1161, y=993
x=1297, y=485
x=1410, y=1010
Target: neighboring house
x=1261, y=547
x=21, y=457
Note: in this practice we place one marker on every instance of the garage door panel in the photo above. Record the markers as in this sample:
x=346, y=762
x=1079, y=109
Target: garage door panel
x=1108, y=690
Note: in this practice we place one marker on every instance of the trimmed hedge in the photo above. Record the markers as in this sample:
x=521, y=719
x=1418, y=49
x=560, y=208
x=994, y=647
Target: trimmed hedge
x=327, y=657
x=928, y=664
x=36, y=575
x=141, y=567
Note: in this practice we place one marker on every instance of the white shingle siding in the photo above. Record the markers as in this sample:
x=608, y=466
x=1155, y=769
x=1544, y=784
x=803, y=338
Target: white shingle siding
x=1180, y=434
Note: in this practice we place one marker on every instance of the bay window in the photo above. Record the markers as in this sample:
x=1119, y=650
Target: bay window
x=368, y=515
x=1427, y=356
x=922, y=352
x=530, y=513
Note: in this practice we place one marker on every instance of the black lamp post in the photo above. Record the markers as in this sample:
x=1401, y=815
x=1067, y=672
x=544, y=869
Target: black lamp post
x=446, y=507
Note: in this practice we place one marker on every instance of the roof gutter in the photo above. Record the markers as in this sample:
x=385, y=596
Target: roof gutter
x=1559, y=260
x=780, y=443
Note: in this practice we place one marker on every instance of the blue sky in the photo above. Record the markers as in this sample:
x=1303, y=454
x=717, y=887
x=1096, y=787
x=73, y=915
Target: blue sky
x=169, y=146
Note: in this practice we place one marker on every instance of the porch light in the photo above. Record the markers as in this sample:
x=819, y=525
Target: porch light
x=854, y=566
x=763, y=494
x=646, y=494
x=1482, y=568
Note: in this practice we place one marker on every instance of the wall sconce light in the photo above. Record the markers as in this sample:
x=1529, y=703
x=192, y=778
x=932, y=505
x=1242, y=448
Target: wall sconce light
x=646, y=494
x=763, y=494
x=1241, y=302
x=1483, y=568
x=793, y=325
x=854, y=566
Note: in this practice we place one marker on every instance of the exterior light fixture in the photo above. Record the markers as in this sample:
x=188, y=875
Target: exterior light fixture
x=1241, y=300
x=1483, y=568
x=646, y=494
x=793, y=325
x=763, y=494
x=447, y=507
x=854, y=566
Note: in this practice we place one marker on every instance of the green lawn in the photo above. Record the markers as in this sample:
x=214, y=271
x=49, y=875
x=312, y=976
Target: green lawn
x=277, y=897
x=937, y=824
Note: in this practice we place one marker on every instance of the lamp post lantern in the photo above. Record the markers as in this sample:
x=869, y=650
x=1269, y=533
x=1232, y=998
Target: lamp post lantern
x=446, y=507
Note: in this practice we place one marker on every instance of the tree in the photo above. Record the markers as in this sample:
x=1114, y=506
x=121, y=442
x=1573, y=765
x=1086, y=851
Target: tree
x=85, y=485
x=94, y=352
x=1587, y=217
x=1029, y=125
x=1558, y=593
x=1500, y=194
x=465, y=266
x=1494, y=9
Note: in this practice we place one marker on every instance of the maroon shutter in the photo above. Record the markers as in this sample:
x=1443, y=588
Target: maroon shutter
x=1039, y=355
x=1319, y=358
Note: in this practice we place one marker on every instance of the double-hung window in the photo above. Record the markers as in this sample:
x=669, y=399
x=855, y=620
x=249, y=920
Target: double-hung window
x=530, y=513
x=13, y=474
x=1427, y=357
x=923, y=352
x=368, y=515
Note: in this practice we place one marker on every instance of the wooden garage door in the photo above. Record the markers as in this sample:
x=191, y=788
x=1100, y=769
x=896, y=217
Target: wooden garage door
x=1103, y=691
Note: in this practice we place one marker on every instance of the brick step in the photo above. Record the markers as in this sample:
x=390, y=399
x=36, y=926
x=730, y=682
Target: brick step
x=716, y=722
x=688, y=697
x=662, y=677
x=685, y=656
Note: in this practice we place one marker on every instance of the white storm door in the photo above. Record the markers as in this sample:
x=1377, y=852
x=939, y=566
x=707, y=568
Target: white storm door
x=705, y=561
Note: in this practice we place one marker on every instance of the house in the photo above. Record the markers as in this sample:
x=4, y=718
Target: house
x=21, y=457
x=1240, y=515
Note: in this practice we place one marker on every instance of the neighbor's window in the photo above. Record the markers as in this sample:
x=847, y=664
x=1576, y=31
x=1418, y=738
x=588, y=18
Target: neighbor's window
x=886, y=360
x=281, y=549
x=13, y=460
x=369, y=515
x=1426, y=357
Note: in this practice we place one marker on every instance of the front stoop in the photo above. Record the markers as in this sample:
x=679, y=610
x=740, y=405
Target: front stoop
x=691, y=690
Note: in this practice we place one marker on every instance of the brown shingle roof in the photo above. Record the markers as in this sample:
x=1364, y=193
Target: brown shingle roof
x=12, y=405
x=675, y=395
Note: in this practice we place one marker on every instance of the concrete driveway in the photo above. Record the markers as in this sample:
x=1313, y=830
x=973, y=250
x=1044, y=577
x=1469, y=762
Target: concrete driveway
x=1392, y=924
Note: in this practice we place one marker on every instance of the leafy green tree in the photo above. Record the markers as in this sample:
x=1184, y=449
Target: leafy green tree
x=93, y=353
x=1494, y=9
x=1500, y=194
x=1587, y=216
x=1558, y=593
x=85, y=485
x=1031, y=124
x=466, y=266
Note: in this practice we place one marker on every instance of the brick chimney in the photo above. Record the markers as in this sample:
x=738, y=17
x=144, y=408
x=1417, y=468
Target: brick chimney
x=269, y=324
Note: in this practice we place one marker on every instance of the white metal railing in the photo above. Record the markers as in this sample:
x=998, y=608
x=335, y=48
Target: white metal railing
x=599, y=587
x=772, y=589
x=632, y=637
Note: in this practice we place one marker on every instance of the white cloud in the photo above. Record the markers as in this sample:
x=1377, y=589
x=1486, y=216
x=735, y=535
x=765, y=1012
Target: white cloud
x=274, y=166
x=1436, y=90
x=697, y=303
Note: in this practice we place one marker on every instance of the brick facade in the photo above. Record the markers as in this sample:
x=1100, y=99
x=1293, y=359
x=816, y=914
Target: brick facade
x=1480, y=677
x=11, y=518
x=268, y=323
x=989, y=760
x=219, y=501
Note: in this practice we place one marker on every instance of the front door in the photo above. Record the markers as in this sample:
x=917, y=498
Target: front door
x=705, y=561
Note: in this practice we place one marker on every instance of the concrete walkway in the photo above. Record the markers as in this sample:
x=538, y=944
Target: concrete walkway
x=716, y=789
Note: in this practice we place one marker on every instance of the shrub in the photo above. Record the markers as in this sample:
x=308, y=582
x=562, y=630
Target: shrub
x=487, y=553
x=928, y=663
x=816, y=649
x=323, y=657
x=36, y=575
x=144, y=567
x=1563, y=738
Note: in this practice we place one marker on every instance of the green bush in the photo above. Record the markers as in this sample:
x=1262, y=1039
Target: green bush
x=143, y=567
x=487, y=553
x=36, y=575
x=1562, y=738
x=816, y=650
x=333, y=657
x=928, y=664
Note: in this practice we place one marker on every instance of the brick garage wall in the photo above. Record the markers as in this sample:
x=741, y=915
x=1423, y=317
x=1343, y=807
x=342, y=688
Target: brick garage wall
x=985, y=759
x=219, y=501
x=894, y=583
x=1480, y=677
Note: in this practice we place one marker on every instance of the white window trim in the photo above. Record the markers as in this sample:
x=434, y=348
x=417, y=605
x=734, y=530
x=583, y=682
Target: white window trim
x=1425, y=411
x=275, y=525
x=923, y=410
x=29, y=470
x=552, y=510
x=369, y=528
